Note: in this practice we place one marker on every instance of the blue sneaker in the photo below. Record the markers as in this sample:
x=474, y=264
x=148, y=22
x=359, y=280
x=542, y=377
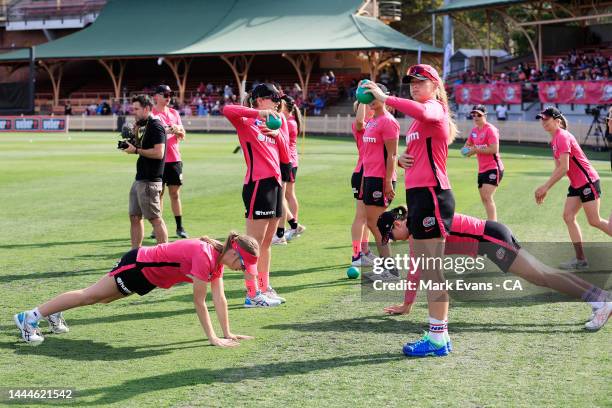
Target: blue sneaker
x=425, y=347
x=449, y=343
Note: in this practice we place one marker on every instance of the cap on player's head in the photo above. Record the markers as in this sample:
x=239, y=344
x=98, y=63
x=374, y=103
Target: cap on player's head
x=385, y=225
x=163, y=90
x=423, y=72
x=550, y=112
x=479, y=109
x=266, y=90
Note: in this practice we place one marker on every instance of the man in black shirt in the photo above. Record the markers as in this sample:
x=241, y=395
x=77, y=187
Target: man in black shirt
x=146, y=189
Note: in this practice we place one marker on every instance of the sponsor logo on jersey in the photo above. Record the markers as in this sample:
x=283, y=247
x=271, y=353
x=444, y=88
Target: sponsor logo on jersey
x=266, y=139
x=492, y=176
x=377, y=194
x=122, y=286
x=586, y=191
x=367, y=139
x=264, y=212
x=429, y=221
x=474, y=135
x=410, y=137
x=501, y=253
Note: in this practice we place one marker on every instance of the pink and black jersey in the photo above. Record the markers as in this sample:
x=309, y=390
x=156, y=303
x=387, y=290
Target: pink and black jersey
x=169, y=118
x=358, y=135
x=261, y=153
x=482, y=138
x=165, y=265
x=580, y=171
x=377, y=130
x=426, y=140
x=284, y=139
x=465, y=235
x=293, y=135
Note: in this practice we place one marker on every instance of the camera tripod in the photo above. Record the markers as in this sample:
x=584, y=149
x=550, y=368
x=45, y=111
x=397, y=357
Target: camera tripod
x=597, y=132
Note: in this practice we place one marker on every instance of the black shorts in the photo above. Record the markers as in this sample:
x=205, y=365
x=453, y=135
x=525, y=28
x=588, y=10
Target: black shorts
x=285, y=169
x=263, y=199
x=373, y=192
x=293, y=174
x=499, y=245
x=588, y=192
x=356, y=181
x=430, y=212
x=129, y=277
x=173, y=174
x=493, y=177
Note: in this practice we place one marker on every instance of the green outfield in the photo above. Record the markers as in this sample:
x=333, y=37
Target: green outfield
x=64, y=223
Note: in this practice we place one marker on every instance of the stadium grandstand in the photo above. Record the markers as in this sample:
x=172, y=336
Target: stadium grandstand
x=90, y=58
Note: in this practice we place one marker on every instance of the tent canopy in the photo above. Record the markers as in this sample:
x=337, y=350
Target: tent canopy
x=158, y=28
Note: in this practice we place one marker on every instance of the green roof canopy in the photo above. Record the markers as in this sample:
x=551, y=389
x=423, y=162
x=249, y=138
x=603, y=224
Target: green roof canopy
x=156, y=28
x=462, y=5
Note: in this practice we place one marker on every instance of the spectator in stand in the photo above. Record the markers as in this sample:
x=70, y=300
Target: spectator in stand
x=68, y=109
x=324, y=79
x=319, y=104
x=201, y=88
x=331, y=78
x=216, y=109
x=501, y=112
x=210, y=88
x=186, y=110
x=202, y=111
x=227, y=93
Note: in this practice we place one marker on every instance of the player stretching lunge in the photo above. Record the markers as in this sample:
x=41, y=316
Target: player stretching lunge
x=430, y=201
x=197, y=261
x=472, y=236
x=261, y=192
x=584, y=190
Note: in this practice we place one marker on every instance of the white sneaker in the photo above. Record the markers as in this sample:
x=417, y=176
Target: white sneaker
x=30, y=333
x=601, y=317
x=260, y=300
x=360, y=261
x=295, y=233
x=370, y=255
x=385, y=276
x=279, y=241
x=57, y=324
x=574, y=264
x=271, y=294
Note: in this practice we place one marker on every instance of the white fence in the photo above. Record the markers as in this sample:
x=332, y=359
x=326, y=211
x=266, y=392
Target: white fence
x=516, y=131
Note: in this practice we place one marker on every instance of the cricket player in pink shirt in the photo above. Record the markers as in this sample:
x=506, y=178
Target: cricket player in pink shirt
x=173, y=168
x=584, y=190
x=472, y=236
x=430, y=201
x=196, y=261
x=483, y=141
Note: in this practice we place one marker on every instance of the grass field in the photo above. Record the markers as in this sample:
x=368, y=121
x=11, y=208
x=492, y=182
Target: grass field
x=63, y=200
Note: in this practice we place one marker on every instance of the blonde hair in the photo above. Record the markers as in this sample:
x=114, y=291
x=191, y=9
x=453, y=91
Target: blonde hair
x=441, y=95
x=563, y=123
x=249, y=244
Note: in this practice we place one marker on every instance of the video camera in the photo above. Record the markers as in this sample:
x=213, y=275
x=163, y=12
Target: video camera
x=128, y=134
x=595, y=111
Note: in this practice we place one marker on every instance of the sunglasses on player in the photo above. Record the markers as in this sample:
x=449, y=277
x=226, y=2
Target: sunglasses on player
x=477, y=115
x=242, y=265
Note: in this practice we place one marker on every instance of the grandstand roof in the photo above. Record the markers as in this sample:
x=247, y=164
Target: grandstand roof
x=477, y=52
x=461, y=5
x=154, y=28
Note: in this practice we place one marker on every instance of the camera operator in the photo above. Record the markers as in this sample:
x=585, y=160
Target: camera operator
x=173, y=168
x=146, y=189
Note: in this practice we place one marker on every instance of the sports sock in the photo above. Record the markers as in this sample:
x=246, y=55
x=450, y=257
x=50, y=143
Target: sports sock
x=33, y=316
x=365, y=247
x=251, y=286
x=579, y=251
x=280, y=232
x=356, y=249
x=263, y=280
x=179, y=221
x=436, y=330
x=293, y=223
x=595, y=297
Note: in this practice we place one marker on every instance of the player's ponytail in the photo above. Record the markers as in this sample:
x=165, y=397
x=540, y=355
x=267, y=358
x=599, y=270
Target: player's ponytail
x=400, y=213
x=452, y=126
x=294, y=110
x=563, y=122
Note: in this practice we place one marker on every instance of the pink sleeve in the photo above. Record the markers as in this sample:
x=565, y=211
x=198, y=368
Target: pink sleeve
x=234, y=113
x=430, y=111
x=292, y=128
x=492, y=136
x=391, y=130
x=283, y=146
x=564, y=145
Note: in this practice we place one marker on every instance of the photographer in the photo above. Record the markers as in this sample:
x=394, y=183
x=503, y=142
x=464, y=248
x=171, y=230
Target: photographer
x=150, y=146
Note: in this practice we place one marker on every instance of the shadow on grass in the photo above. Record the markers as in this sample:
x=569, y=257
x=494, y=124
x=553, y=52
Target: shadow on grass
x=57, y=274
x=402, y=324
x=90, y=350
x=187, y=378
x=124, y=241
